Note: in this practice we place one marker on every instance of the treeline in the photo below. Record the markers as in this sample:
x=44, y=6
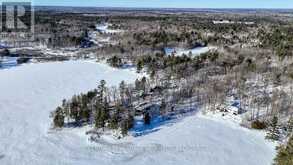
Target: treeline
x=276, y=132
x=285, y=153
x=162, y=37
x=278, y=38
x=177, y=64
x=104, y=107
x=276, y=129
x=96, y=108
x=115, y=62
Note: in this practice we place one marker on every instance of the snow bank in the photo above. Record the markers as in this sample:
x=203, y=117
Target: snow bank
x=30, y=92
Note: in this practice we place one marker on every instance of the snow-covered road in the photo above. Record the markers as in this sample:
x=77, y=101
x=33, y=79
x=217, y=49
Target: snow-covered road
x=29, y=93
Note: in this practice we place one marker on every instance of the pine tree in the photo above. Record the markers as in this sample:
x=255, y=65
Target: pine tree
x=290, y=126
x=122, y=88
x=98, y=118
x=86, y=115
x=163, y=107
x=101, y=90
x=143, y=84
x=130, y=121
x=124, y=128
x=139, y=66
x=153, y=74
x=127, y=124
x=102, y=115
x=285, y=154
x=114, y=121
x=137, y=84
x=59, y=118
x=274, y=132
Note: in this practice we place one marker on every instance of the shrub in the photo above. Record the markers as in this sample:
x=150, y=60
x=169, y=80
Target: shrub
x=58, y=118
x=258, y=125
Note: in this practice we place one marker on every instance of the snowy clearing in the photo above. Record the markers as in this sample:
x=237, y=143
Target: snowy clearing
x=104, y=28
x=30, y=92
x=193, y=52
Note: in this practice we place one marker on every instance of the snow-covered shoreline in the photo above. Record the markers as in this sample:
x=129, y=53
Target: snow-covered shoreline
x=29, y=93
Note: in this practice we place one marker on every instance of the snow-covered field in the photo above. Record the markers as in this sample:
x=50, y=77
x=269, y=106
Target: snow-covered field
x=29, y=93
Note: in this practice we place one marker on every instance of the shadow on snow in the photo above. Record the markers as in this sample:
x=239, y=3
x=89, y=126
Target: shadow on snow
x=141, y=129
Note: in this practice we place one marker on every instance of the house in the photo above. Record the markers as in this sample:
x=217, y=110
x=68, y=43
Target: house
x=152, y=109
x=233, y=108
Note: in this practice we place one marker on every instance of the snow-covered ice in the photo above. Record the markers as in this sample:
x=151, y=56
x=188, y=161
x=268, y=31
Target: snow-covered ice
x=29, y=93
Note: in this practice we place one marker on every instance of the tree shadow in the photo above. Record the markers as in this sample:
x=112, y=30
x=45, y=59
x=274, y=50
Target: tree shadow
x=141, y=129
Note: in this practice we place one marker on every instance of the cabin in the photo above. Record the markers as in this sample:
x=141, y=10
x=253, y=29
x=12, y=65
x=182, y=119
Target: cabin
x=152, y=109
x=233, y=108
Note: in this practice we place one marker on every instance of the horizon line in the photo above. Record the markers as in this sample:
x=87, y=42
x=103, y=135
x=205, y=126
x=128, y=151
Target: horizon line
x=163, y=7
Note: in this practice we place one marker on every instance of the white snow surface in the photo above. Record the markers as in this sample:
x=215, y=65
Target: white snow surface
x=104, y=28
x=29, y=93
x=194, y=52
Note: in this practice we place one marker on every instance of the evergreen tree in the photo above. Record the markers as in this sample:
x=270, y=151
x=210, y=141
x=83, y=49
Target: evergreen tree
x=75, y=109
x=137, y=84
x=274, y=132
x=130, y=121
x=152, y=75
x=139, y=66
x=99, y=123
x=115, y=61
x=124, y=128
x=77, y=116
x=102, y=115
x=101, y=90
x=290, y=126
x=86, y=115
x=127, y=124
x=122, y=88
x=114, y=121
x=143, y=83
x=163, y=107
x=59, y=118
x=285, y=154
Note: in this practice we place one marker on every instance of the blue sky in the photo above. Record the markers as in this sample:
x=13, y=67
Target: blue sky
x=171, y=3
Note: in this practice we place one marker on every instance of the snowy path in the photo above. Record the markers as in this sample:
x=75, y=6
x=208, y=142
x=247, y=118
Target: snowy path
x=29, y=93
